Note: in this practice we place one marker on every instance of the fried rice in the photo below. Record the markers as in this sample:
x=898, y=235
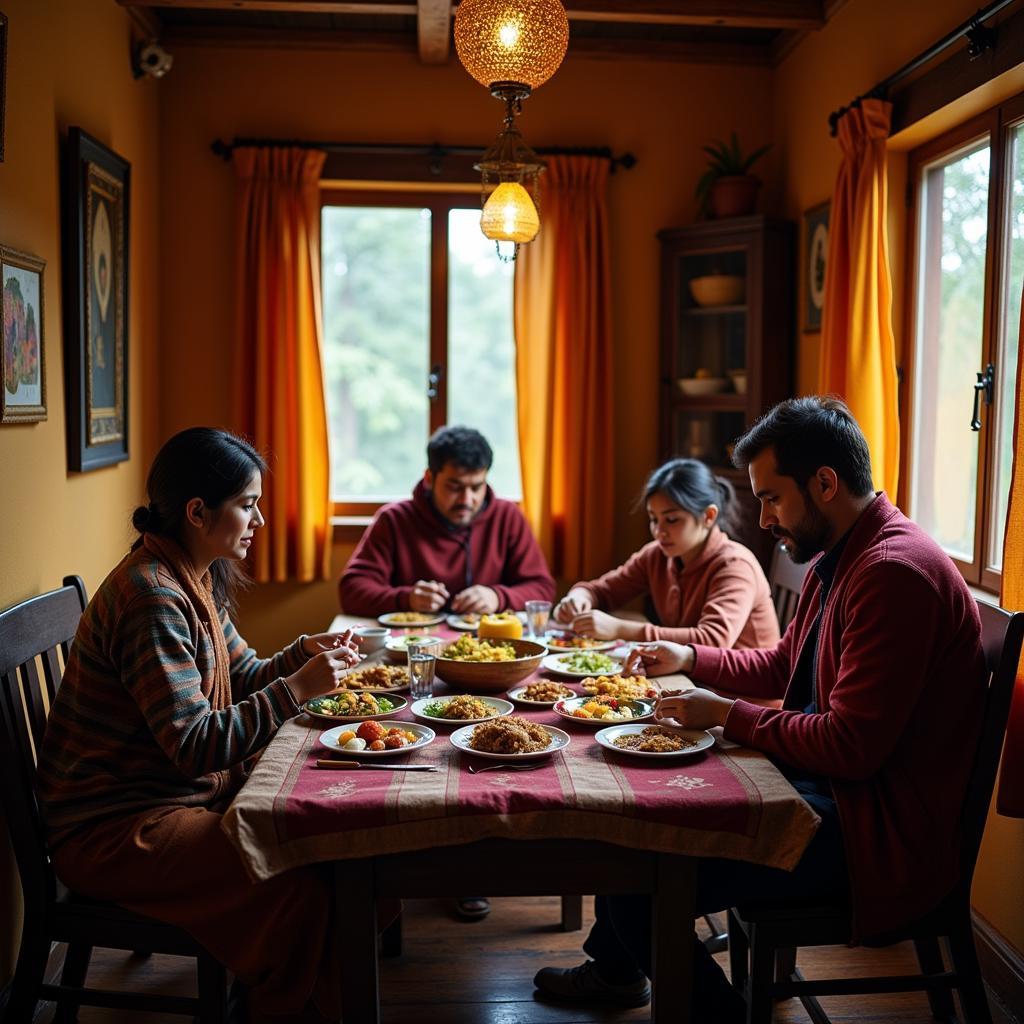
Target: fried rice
x=510, y=735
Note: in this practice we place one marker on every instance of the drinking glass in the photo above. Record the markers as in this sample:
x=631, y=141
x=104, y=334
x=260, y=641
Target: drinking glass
x=422, y=661
x=537, y=615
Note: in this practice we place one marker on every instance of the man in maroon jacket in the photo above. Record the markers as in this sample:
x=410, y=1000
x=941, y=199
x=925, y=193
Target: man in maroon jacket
x=882, y=679
x=453, y=545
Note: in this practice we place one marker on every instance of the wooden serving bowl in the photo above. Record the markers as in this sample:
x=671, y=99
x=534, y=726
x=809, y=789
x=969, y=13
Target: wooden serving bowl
x=492, y=676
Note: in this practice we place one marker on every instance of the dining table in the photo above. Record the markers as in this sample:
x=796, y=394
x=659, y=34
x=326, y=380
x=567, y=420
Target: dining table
x=590, y=821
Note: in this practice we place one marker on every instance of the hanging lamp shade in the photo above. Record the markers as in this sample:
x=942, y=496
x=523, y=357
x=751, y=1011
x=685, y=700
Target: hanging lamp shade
x=520, y=42
x=509, y=214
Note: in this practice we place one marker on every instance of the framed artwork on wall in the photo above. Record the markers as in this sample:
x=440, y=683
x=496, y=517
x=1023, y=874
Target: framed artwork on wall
x=815, y=249
x=3, y=79
x=96, y=236
x=23, y=356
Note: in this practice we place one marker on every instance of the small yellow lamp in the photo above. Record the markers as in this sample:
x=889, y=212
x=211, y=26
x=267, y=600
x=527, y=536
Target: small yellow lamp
x=509, y=214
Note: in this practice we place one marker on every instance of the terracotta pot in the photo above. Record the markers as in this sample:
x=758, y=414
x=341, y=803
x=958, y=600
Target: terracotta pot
x=734, y=196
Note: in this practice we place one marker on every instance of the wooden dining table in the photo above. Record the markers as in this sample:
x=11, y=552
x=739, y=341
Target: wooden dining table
x=589, y=821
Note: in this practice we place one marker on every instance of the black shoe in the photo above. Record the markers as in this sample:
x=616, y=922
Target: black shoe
x=584, y=984
x=472, y=908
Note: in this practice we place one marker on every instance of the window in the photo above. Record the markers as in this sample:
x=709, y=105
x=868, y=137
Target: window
x=968, y=255
x=417, y=333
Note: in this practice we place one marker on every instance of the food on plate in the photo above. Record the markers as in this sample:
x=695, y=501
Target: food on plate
x=350, y=704
x=587, y=661
x=462, y=708
x=510, y=735
x=401, y=642
x=370, y=731
x=469, y=648
x=605, y=708
x=546, y=692
x=469, y=618
x=373, y=736
x=569, y=641
x=654, y=740
x=410, y=618
x=505, y=625
x=376, y=677
x=623, y=687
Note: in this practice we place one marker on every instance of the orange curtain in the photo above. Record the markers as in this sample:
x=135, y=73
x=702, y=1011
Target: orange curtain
x=564, y=369
x=1011, y=777
x=280, y=400
x=858, y=350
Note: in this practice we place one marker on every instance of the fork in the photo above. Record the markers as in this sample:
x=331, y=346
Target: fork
x=507, y=767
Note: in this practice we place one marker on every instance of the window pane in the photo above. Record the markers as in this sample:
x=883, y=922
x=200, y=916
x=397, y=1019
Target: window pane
x=950, y=309
x=376, y=299
x=1006, y=368
x=481, y=346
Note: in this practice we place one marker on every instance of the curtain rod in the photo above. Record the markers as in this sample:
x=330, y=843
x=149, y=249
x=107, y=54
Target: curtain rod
x=434, y=152
x=979, y=39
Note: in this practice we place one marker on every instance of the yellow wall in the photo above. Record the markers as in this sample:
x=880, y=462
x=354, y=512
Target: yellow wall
x=661, y=112
x=866, y=41
x=68, y=64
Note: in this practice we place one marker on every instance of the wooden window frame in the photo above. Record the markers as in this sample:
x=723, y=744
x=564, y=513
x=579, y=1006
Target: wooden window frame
x=996, y=125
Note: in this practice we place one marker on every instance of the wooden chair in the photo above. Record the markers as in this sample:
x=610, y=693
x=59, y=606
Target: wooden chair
x=31, y=633
x=786, y=580
x=762, y=940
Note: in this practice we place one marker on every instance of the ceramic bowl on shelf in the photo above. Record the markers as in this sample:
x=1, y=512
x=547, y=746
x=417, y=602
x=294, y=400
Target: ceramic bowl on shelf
x=739, y=381
x=718, y=289
x=702, y=385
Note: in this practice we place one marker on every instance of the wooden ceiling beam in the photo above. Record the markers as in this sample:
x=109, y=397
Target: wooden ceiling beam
x=285, y=6
x=145, y=22
x=433, y=30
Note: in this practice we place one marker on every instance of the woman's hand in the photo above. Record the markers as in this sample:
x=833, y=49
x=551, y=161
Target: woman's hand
x=322, y=673
x=659, y=658
x=576, y=602
x=694, y=709
x=602, y=626
x=342, y=644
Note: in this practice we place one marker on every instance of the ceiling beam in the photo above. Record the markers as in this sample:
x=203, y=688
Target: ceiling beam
x=286, y=6
x=433, y=30
x=145, y=22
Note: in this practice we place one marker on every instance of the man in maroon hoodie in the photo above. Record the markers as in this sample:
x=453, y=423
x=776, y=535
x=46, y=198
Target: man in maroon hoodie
x=453, y=545
x=882, y=679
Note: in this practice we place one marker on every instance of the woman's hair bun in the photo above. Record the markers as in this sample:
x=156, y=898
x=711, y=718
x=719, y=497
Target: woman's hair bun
x=143, y=518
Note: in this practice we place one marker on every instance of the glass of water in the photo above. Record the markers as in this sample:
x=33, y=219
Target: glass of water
x=537, y=615
x=422, y=661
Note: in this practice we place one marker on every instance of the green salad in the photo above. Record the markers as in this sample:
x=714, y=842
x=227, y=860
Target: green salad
x=588, y=661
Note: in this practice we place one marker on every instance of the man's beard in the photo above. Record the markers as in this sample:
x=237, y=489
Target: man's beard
x=810, y=536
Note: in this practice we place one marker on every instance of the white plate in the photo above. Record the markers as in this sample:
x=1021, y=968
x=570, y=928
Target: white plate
x=516, y=694
x=599, y=645
x=458, y=622
x=607, y=736
x=641, y=709
x=396, y=646
x=399, y=705
x=501, y=707
x=427, y=619
x=559, y=741
x=556, y=663
x=329, y=739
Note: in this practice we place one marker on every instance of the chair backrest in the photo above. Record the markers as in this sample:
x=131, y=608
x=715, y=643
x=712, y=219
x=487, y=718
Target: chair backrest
x=786, y=580
x=1002, y=636
x=30, y=635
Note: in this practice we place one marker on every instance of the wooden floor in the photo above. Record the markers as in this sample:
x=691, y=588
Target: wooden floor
x=481, y=973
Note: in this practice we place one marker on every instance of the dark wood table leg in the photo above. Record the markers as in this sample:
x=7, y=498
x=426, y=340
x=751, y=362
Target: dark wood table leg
x=355, y=919
x=672, y=939
x=572, y=913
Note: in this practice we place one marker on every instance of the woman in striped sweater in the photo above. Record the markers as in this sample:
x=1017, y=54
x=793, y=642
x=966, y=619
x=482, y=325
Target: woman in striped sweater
x=160, y=710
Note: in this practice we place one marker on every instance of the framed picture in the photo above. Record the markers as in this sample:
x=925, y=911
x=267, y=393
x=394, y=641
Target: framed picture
x=815, y=253
x=3, y=79
x=23, y=358
x=96, y=205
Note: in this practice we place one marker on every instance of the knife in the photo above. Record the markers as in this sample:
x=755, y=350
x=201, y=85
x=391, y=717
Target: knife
x=329, y=763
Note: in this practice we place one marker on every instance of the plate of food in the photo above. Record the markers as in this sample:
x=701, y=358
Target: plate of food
x=541, y=694
x=354, y=706
x=654, y=740
x=510, y=738
x=462, y=710
x=566, y=640
x=580, y=664
x=376, y=739
x=468, y=621
x=487, y=665
x=376, y=677
x=626, y=687
x=396, y=648
x=410, y=620
x=600, y=709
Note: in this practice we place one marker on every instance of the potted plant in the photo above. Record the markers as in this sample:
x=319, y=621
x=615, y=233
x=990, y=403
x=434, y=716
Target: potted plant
x=726, y=188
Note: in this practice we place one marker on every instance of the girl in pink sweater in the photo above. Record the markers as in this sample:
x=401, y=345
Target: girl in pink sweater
x=705, y=588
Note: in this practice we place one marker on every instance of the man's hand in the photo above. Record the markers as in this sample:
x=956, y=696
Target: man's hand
x=659, y=658
x=478, y=598
x=694, y=709
x=603, y=626
x=576, y=602
x=428, y=596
